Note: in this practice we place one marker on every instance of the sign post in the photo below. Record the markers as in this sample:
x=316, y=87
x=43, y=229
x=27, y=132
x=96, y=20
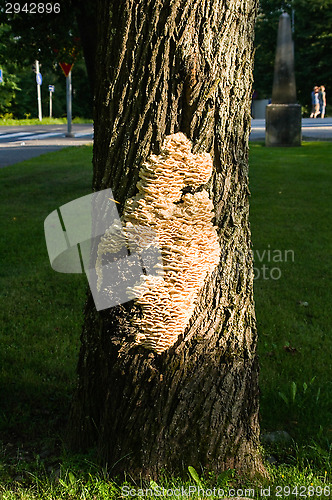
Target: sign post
x=51, y=90
x=39, y=81
x=1, y=77
x=66, y=68
x=69, y=100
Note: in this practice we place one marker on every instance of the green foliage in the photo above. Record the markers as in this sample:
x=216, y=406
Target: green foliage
x=20, y=44
x=301, y=400
x=9, y=87
x=8, y=92
x=41, y=36
x=89, y=482
x=9, y=121
x=312, y=41
x=18, y=94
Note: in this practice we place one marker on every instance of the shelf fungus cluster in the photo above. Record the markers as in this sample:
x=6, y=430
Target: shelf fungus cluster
x=180, y=218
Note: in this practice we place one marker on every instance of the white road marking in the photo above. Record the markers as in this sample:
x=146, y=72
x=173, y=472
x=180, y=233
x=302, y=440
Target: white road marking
x=45, y=135
x=31, y=136
x=83, y=134
x=17, y=134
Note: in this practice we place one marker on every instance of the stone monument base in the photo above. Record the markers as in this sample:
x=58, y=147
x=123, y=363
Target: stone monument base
x=283, y=125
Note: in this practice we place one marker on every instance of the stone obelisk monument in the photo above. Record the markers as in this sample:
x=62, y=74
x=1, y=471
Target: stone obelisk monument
x=283, y=115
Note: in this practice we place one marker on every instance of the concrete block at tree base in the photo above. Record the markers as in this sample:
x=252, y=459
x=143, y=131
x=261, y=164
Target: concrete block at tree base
x=283, y=125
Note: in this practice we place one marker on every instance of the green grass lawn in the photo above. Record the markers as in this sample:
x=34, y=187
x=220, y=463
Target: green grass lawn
x=41, y=317
x=45, y=121
x=41, y=311
x=291, y=213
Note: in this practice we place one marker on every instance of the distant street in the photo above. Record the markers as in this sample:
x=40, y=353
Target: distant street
x=25, y=142
x=312, y=129
x=28, y=141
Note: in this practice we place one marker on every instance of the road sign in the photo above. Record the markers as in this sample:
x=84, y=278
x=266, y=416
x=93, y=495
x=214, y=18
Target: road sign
x=66, y=68
x=51, y=88
x=1, y=77
x=39, y=82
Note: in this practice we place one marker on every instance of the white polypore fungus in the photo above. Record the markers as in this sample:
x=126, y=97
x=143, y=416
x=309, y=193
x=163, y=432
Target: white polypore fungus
x=181, y=222
x=186, y=236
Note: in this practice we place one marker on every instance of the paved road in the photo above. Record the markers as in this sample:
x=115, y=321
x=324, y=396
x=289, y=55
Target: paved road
x=25, y=142
x=312, y=129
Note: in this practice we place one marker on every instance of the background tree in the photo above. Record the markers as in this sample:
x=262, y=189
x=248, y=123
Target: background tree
x=50, y=38
x=161, y=68
x=312, y=41
x=10, y=85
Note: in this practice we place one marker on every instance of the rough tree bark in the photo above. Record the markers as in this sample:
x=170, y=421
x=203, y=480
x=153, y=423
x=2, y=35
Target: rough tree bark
x=164, y=67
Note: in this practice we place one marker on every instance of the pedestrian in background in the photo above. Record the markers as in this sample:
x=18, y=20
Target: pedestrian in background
x=322, y=101
x=315, y=102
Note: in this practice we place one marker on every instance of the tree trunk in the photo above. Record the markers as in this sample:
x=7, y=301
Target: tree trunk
x=162, y=68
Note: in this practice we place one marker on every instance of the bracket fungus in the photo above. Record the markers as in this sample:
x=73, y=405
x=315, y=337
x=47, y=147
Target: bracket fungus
x=181, y=219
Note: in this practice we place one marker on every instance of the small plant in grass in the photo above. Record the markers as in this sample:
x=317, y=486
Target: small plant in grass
x=195, y=476
x=299, y=398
